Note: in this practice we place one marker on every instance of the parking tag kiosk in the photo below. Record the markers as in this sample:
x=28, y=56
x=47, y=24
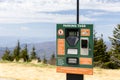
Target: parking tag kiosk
x=74, y=48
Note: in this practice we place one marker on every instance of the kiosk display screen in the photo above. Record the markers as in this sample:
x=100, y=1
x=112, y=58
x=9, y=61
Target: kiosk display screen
x=72, y=33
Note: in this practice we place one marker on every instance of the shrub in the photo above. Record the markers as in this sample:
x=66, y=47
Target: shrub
x=110, y=65
x=97, y=64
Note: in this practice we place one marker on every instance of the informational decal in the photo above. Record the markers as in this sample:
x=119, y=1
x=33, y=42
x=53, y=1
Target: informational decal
x=85, y=32
x=85, y=61
x=60, y=32
x=61, y=47
x=61, y=61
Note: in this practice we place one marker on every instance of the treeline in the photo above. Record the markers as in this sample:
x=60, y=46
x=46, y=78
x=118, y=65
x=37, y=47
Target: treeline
x=23, y=55
x=102, y=57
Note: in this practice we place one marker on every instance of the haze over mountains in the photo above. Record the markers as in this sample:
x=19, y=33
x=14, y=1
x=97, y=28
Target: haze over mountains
x=10, y=41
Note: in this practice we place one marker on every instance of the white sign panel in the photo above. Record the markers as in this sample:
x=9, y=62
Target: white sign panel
x=72, y=51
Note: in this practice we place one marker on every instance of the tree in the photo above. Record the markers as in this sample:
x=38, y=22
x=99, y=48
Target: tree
x=11, y=57
x=95, y=47
x=44, y=60
x=100, y=54
x=24, y=54
x=6, y=55
x=115, y=40
x=53, y=59
x=16, y=52
x=39, y=60
x=33, y=54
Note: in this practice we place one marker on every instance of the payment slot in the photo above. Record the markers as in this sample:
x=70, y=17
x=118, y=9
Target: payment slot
x=84, y=46
x=72, y=60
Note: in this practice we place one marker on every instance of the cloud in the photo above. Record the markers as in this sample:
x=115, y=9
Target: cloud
x=97, y=13
x=106, y=5
x=26, y=11
x=24, y=28
x=42, y=17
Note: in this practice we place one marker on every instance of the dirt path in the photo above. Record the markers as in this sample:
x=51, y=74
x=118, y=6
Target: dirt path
x=27, y=72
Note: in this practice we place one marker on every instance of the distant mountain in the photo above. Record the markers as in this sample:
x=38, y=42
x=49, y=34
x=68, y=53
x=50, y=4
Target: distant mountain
x=11, y=41
x=42, y=49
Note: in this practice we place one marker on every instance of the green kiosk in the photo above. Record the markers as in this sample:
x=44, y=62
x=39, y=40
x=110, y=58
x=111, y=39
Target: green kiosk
x=75, y=48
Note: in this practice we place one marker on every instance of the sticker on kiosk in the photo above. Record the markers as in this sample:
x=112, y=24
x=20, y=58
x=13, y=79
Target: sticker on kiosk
x=60, y=32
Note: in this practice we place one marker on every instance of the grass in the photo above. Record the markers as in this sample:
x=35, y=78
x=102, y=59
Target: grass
x=40, y=71
x=42, y=65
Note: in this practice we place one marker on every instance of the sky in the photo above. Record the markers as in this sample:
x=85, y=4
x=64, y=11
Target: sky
x=38, y=18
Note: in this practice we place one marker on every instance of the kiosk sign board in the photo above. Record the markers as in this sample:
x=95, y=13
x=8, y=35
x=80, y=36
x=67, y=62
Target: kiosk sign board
x=75, y=48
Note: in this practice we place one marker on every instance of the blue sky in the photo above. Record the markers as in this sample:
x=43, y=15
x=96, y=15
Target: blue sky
x=38, y=18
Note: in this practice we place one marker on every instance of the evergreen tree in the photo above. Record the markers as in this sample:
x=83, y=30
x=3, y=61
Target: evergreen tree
x=6, y=55
x=24, y=54
x=39, y=60
x=100, y=54
x=95, y=47
x=44, y=60
x=52, y=59
x=52, y=56
x=11, y=57
x=115, y=40
x=33, y=54
x=16, y=52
